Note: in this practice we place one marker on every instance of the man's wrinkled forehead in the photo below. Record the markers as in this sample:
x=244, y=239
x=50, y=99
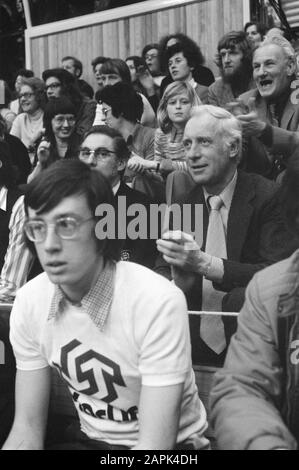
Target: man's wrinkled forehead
x=201, y=125
x=269, y=51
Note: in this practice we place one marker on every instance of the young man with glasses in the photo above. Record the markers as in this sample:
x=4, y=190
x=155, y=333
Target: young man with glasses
x=106, y=151
x=82, y=314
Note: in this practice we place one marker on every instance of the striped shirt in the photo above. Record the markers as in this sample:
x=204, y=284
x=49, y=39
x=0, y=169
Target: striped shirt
x=171, y=146
x=18, y=258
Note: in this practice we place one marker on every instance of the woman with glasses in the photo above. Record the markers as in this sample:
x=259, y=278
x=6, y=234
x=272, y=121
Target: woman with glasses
x=60, y=139
x=28, y=126
x=61, y=83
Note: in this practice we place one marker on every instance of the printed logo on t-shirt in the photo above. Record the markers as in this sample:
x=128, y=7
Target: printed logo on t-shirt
x=72, y=360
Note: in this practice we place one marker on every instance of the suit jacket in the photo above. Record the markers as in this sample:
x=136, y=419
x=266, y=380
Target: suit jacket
x=138, y=251
x=220, y=93
x=281, y=140
x=256, y=237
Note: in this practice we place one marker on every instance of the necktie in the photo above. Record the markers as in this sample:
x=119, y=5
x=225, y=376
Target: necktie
x=212, y=328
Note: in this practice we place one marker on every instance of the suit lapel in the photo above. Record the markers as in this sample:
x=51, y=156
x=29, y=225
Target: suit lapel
x=288, y=113
x=239, y=216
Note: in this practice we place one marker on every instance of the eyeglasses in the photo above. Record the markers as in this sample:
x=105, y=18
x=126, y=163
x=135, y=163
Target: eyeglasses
x=100, y=153
x=27, y=95
x=59, y=120
x=53, y=86
x=65, y=227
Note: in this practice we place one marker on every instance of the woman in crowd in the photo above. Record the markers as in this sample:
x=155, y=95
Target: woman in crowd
x=255, y=33
x=200, y=73
x=20, y=75
x=173, y=113
x=114, y=71
x=60, y=140
x=28, y=126
x=59, y=83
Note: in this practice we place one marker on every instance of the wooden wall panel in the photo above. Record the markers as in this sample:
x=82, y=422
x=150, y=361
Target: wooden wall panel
x=203, y=20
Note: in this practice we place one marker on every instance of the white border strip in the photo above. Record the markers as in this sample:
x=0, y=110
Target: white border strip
x=246, y=11
x=104, y=16
x=223, y=314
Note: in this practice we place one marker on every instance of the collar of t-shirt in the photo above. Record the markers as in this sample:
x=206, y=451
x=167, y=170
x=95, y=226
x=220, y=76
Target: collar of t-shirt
x=3, y=198
x=96, y=303
x=115, y=188
x=226, y=195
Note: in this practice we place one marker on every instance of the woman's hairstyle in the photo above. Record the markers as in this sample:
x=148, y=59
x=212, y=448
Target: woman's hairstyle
x=149, y=47
x=186, y=42
x=124, y=101
x=119, y=67
x=173, y=90
x=119, y=144
x=67, y=178
x=289, y=193
x=54, y=107
x=38, y=88
x=69, y=85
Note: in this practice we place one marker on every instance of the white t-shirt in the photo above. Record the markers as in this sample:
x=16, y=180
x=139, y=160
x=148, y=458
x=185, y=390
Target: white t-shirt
x=145, y=341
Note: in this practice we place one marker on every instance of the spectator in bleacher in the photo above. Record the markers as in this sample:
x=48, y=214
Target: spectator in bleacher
x=234, y=59
x=255, y=33
x=122, y=110
x=200, y=73
x=242, y=225
x=181, y=63
x=97, y=67
x=259, y=382
x=60, y=82
x=272, y=120
x=96, y=308
x=150, y=54
x=5, y=98
x=28, y=126
x=75, y=67
x=142, y=80
x=59, y=140
x=105, y=150
x=116, y=70
x=22, y=73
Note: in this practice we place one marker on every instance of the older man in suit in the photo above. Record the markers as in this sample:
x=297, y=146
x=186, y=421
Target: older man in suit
x=272, y=122
x=242, y=229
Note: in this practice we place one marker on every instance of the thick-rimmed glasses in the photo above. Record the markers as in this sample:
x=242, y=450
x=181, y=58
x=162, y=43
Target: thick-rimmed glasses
x=27, y=95
x=100, y=153
x=65, y=227
x=60, y=119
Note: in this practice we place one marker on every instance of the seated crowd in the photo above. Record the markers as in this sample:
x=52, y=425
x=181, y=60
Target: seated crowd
x=192, y=180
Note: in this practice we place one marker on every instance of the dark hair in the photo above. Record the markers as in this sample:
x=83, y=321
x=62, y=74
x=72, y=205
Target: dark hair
x=117, y=66
x=149, y=47
x=186, y=42
x=67, y=178
x=77, y=63
x=289, y=193
x=7, y=173
x=230, y=41
x=24, y=73
x=124, y=101
x=176, y=48
x=7, y=95
x=69, y=85
x=260, y=27
x=137, y=60
x=98, y=60
x=119, y=143
x=38, y=88
x=56, y=106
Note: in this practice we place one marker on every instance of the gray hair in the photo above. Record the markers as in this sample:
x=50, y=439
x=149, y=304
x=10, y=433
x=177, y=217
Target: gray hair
x=278, y=40
x=227, y=125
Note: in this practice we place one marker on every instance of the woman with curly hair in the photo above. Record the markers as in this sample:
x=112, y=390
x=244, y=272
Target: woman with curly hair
x=200, y=73
x=28, y=126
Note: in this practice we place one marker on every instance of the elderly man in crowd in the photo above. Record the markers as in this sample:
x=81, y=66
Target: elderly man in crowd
x=242, y=229
x=272, y=122
x=255, y=397
x=234, y=56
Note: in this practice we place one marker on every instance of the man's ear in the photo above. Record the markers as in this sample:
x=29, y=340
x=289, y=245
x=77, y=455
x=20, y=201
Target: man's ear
x=234, y=148
x=121, y=165
x=291, y=67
